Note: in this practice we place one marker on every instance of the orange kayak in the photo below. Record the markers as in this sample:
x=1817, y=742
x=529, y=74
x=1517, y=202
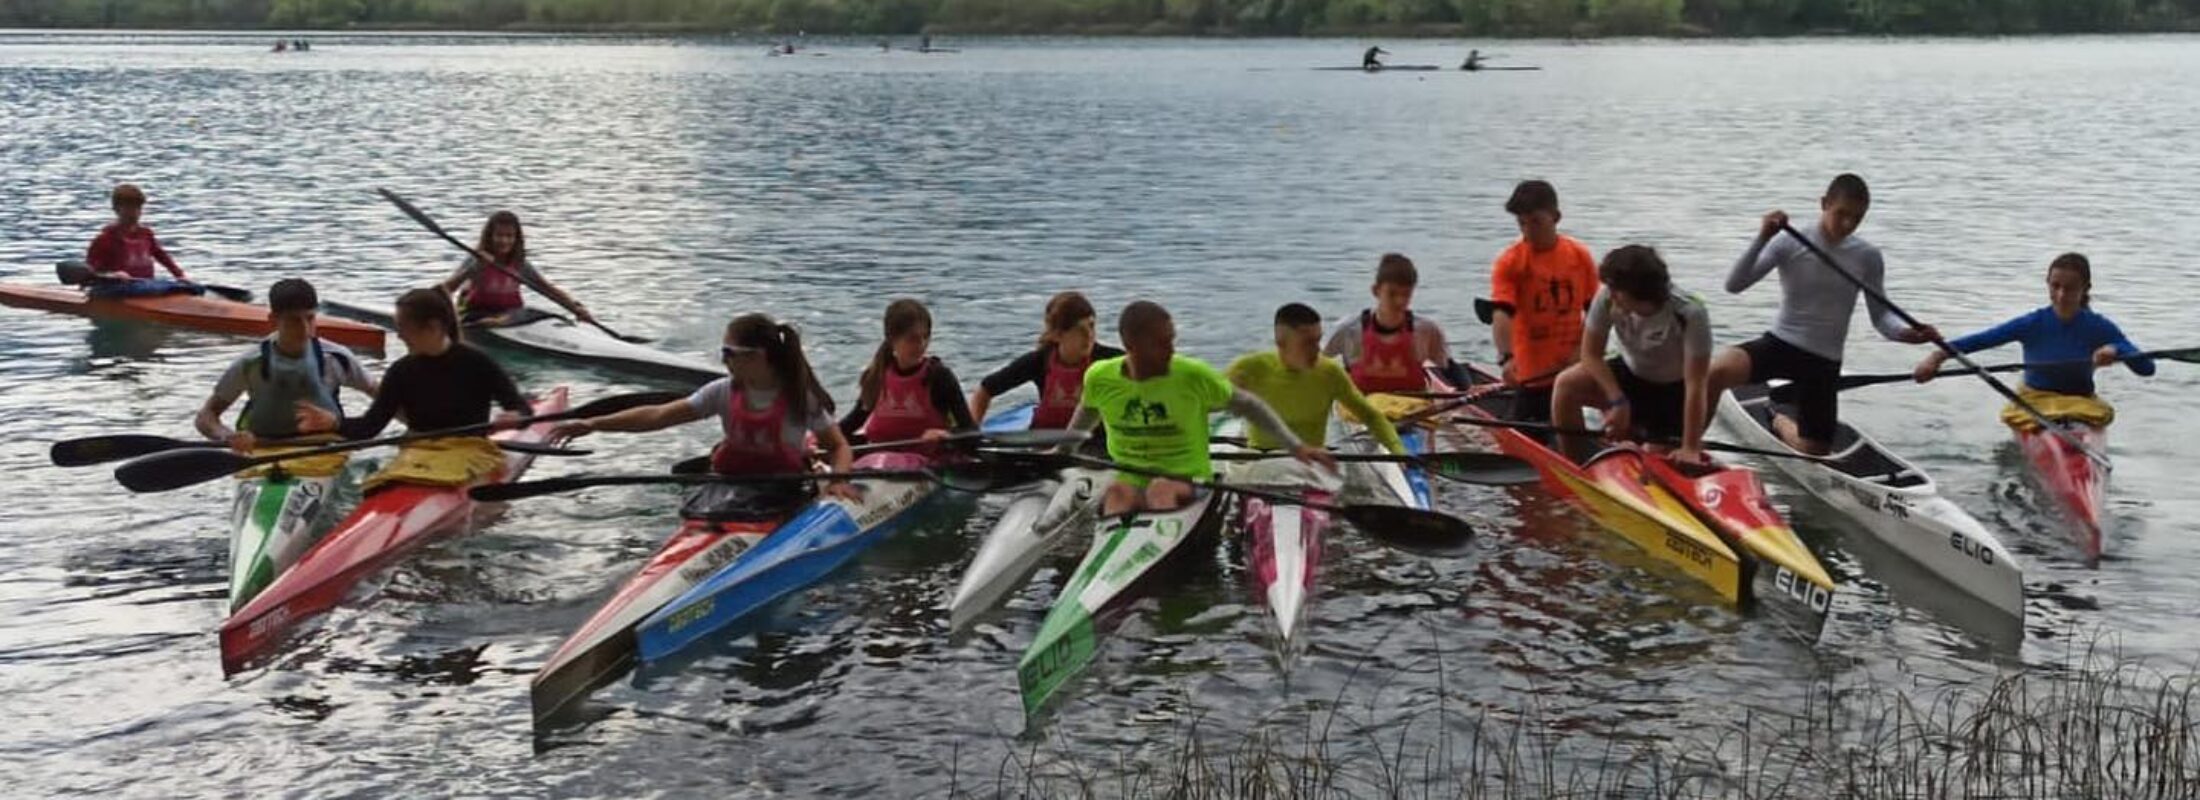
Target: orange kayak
x=198, y=312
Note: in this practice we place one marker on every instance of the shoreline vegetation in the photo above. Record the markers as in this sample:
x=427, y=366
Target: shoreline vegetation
x=1216, y=18
x=2097, y=726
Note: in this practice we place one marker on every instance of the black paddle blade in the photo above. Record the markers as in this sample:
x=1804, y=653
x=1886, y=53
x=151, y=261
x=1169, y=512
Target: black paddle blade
x=176, y=469
x=694, y=466
x=505, y=492
x=1482, y=469
x=2189, y=355
x=1034, y=439
x=995, y=470
x=1429, y=533
x=410, y=210
x=231, y=293
x=540, y=449
x=102, y=449
x=73, y=273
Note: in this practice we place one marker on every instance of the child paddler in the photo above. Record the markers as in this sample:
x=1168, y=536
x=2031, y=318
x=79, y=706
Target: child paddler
x=1655, y=388
x=441, y=383
x=1156, y=403
x=491, y=291
x=907, y=393
x=1384, y=347
x=1067, y=347
x=767, y=407
x=1811, y=331
x=125, y=249
x=1302, y=385
x=2067, y=330
x=282, y=376
x=1539, y=288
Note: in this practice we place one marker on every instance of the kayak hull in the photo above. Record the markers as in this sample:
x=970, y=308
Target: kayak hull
x=811, y=545
x=1786, y=575
x=2075, y=486
x=272, y=522
x=197, y=312
x=1034, y=522
x=556, y=337
x=389, y=524
x=1125, y=551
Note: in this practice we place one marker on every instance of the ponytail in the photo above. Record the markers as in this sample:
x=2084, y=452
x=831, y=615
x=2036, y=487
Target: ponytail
x=431, y=305
x=782, y=347
x=903, y=316
x=1065, y=312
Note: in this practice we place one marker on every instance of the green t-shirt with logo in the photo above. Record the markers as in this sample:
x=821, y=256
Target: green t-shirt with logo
x=1158, y=423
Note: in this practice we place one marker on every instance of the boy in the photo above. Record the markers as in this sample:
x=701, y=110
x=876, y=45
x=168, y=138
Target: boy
x=286, y=372
x=1384, y=347
x=1301, y=384
x=1156, y=404
x=1808, y=335
x=125, y=250
x=1539, y=288
x=1655, y=388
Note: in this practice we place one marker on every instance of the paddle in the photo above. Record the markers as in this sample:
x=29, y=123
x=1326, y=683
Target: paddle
x=92, y=450
x=429, y=223
x=176, y=469
x=1998, y=387
x=1040, y=438
x=1427, y=532
x=988, y=472
x=2189, y=355
x=76, y=273
x=1724, y=447
x=1482, y=469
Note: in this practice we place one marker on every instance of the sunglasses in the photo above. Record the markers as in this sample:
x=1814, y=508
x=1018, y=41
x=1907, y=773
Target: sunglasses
x=733, y=351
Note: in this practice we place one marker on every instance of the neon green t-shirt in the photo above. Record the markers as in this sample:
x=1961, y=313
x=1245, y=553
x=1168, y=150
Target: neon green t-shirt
x=1303, y=398
x=1158, y=423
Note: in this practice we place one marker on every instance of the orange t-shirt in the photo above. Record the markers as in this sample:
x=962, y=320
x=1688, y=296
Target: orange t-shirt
x=1547, y=292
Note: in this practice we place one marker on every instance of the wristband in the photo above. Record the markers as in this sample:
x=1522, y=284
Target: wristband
x=1616, y=403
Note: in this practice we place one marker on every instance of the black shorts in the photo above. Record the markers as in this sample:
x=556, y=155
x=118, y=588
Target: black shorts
x=1531, y=405
x=1657, y=407
x=1813, y=380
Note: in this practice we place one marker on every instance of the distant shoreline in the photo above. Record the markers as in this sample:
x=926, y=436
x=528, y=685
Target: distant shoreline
x=1157, y=29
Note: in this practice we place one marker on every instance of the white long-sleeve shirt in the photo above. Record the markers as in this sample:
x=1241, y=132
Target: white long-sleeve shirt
x=1815, y=301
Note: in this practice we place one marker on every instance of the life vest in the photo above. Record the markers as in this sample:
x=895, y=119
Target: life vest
x=1059, y=394
x=753, y=444
x=491, y=290
x=904, y=407
x=1388, y=361
x=271, y=407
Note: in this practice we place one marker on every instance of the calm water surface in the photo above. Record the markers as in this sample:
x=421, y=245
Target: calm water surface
x=675, y=183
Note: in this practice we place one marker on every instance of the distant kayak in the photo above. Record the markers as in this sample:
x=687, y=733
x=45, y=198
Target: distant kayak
x=1501, y=69
x=1386, y=68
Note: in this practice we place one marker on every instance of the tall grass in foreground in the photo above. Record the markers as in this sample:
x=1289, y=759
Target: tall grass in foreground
x=2097, y=727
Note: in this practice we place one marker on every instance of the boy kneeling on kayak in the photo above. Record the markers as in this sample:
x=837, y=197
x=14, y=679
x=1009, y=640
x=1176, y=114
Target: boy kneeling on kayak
x=1156, y=405
x=1655, y=389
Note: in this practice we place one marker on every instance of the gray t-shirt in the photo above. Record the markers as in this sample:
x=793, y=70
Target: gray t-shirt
x=712, y=399
x=1657, y=348
x=1815, y=301
x=339, y=368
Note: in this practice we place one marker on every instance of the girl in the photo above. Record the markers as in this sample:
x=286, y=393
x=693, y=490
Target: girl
x=907, y=394
x=2066, y=330
x=1068, y=346
x=492, y=290
x=766, y=407
x=440, y=383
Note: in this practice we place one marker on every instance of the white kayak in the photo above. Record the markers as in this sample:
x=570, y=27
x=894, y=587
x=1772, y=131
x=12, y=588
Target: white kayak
x=1285, y=551
x=1897, y=503
x=1035, y=521
x=546, y=334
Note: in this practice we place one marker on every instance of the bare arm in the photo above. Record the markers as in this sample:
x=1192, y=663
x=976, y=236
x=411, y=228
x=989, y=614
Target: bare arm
x=1696, y=403
x=1254, y=410
x=981, y=401
x=650, y=418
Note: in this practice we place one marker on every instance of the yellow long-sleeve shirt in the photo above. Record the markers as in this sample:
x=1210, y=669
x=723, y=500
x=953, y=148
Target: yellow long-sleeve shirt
x=1303, y=398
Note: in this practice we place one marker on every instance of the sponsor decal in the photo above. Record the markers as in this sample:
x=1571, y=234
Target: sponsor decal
x=903, y=497
x=1713, y=496
x=1688, y=549
x=304, y=503
x=713, y=557
x=267, y=625
x=1963, y=544
x=1050, y=661
x=690, y=615
x=1816, y=597
x=1887, y=504
x=1148, y=551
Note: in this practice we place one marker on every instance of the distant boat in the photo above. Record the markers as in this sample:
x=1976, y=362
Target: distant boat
x=1385, y=68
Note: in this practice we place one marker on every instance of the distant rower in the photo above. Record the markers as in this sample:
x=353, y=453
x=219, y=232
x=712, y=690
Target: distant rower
x=1474, y=61
x=1370, y=62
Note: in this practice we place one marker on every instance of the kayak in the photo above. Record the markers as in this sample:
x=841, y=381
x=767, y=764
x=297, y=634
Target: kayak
x=1126, y=549
x=204, y=312
x=546, y=334
x=1613, y=489
x=1781, y=571
x=826, y=534
x=1385, y=68
x=390, y=523
x=1894, y=501
x=603, y=648
x=2078, y=488
x=1035, y=521
x=272, y=522
x=1285, y=552
x=1391, y=482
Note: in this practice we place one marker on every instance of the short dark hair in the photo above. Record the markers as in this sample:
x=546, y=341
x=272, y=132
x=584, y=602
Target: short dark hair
x=1298, y=315
x=1638, y=271
x=1847, y=186
x=1139, y=318
x=430, y=304
x=127, y=194
x=1532, y=196
x=2076, y=263
x=1397, y=270
x=292, y=294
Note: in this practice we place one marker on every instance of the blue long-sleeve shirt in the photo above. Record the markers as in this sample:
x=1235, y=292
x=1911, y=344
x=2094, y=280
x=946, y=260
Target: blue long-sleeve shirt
x=2047, y=338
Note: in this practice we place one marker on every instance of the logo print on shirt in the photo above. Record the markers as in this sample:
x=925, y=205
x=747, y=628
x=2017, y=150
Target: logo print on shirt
x=1557, y=295
x=1145, y=413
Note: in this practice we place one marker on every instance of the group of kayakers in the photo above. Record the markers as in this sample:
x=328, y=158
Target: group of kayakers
x=1553, y=307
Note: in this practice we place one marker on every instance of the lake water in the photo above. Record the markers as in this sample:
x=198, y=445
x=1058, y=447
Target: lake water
x=673, y=183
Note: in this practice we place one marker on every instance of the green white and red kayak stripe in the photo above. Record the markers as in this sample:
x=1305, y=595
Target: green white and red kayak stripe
x=274, y=519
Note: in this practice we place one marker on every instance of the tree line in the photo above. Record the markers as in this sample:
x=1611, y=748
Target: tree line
x=1559, y=18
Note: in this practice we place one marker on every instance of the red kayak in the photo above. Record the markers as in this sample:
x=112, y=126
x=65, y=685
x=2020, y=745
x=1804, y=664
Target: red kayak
x=389, y=524
x=2078, y=486
x=198, y=312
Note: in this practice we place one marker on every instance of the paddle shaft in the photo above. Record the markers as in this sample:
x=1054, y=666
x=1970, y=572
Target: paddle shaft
x=1724, y=447
x=1999, y=387
x=73, y=273
x=1274, y=497
x=483, y=258
x=2185, y=354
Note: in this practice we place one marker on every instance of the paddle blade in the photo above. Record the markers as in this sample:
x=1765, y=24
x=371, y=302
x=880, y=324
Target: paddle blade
x=693, y=466
x=2189, y=355
x=102, y=449
x=73, y=273
x=995, y=470
x=540, y=449
x=1429, y=533
x=615, y=404
x=231, y=293
x=176, y=469
x=505, y=492
x=1482, y=469
x=411, y=211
